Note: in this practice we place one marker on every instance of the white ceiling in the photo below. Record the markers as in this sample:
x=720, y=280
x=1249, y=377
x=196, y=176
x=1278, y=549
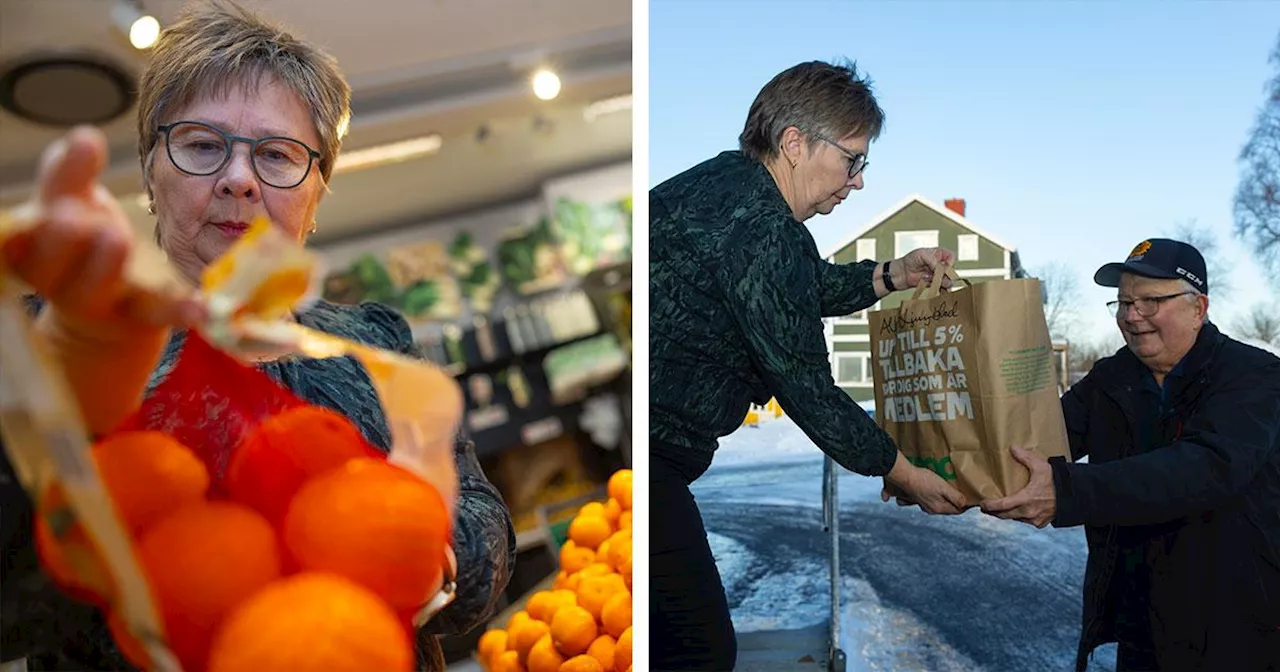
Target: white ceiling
x=415, y=67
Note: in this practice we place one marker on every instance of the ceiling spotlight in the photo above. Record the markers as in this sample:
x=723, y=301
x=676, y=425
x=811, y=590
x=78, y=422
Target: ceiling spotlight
x=546, y=84
x=142, y=28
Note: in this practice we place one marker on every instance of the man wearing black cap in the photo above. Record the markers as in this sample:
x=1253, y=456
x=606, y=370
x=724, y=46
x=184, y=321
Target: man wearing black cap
x=1180, y=498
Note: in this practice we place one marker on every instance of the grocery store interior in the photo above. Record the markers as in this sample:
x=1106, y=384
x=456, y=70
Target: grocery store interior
x=484, y=191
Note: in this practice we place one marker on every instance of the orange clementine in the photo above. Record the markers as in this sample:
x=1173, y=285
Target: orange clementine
x=595, y=569
x=516, y=619
x=201, y=561
x=620, y=488
x=312, y=622
x=589, y=531
x=616, y=615
x=613, y=512
x=130, y=647
x=561, y=598
x=603, y=550
x=507, y=661
x=68, y=554
x=619, y=551
x=592, y=510
x=595, y=591
x=581, y=664
x=574, y=557
x=624, y=520
x=491, y=644
x=522, y=637
x=375, y=524
x=149, y=475
x=544, y=604
x=273, y=461
x=602, y=650
x=543, y=657
x=572, y=582
x=573, y=630
x=622, y=652
x=539, y=605
x=625, y=571
x=561, y=580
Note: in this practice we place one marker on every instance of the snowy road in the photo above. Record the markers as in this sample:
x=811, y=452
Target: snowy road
x=969, y=592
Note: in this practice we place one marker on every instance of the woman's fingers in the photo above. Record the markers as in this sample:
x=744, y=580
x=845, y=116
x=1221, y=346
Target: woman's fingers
x=58, y=246
x=71, y=166
x=96, y=286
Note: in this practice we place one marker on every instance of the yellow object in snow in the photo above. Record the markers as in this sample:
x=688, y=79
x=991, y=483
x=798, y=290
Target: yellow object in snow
x=757, y=414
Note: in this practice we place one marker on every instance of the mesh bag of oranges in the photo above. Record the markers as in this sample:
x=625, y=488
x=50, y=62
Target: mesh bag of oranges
x=583, y=623
x=228, y=525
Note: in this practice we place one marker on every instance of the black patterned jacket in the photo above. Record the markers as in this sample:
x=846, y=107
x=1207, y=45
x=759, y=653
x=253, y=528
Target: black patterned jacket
x=737, y=293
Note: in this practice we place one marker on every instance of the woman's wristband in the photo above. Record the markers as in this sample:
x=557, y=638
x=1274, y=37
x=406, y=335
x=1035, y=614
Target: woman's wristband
x=888, y=281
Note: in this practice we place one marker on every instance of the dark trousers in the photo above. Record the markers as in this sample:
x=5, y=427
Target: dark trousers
x=1136, y=658
x=689, y=626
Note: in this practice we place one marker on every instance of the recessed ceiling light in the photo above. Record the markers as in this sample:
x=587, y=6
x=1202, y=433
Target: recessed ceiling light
x=66, y=88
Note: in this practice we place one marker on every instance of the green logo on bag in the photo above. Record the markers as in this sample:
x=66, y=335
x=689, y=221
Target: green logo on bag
x=941, y=467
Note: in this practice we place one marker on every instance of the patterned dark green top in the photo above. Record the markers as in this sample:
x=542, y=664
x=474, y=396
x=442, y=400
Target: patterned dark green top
x=58, y=633
x=737, y=290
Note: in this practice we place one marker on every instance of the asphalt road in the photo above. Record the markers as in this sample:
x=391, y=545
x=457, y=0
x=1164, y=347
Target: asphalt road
x=966, y=592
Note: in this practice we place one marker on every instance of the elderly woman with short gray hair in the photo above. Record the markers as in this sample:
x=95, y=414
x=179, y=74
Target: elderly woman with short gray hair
x=737, y=293
x=236, y=119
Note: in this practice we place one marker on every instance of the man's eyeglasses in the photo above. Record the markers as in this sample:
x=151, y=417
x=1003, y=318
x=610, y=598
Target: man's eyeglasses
x=1147, y=306
x=200, y=149
x=857, y=162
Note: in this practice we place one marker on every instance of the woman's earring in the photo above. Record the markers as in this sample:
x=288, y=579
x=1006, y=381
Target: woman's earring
x=151, y=207
x=313, y=228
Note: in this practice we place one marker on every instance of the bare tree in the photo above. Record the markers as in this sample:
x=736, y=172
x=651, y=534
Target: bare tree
x=1083, y=354
x=1061, y=297
x=1261, y=323
x=1204, y=239
x=1257, y=199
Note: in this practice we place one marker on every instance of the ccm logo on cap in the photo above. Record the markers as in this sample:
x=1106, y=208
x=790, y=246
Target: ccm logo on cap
x=1189, y=275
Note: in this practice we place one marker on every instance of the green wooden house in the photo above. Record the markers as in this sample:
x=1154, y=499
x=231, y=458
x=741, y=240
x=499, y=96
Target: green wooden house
x=914, y=222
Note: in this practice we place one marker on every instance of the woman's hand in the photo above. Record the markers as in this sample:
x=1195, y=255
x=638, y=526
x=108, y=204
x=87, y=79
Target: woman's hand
x=918, y=266
x=76, y=243
x=74, y=247
x=922, y=487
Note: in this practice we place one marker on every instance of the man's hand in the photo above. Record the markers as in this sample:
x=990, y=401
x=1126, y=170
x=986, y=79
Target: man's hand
x=924, y=488
x=1035, y=504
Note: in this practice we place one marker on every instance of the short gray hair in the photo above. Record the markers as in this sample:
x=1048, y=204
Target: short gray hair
x=1193, y=294
x=217, y=45
x=815, y=97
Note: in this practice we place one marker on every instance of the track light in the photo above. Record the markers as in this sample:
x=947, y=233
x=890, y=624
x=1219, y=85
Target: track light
x=546, y=84
x=142, y=28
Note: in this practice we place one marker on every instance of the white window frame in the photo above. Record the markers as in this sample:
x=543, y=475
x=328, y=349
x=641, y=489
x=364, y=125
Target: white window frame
x=898, y=237
x=866, y=249
x=967, y=247
x=864, y=381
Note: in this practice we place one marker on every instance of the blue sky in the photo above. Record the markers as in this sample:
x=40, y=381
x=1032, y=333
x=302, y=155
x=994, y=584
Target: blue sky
x=1073, y=129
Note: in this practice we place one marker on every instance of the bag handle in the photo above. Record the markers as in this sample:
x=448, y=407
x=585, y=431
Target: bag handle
x=929, y=291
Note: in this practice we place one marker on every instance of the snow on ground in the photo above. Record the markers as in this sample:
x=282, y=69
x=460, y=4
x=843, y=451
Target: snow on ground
x=770, y=441
x=776, y=468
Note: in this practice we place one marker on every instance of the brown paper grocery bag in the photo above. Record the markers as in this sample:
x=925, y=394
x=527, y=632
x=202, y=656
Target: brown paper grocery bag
x=963, y=374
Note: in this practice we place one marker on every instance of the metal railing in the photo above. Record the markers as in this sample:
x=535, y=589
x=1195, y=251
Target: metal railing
x=836, y=660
